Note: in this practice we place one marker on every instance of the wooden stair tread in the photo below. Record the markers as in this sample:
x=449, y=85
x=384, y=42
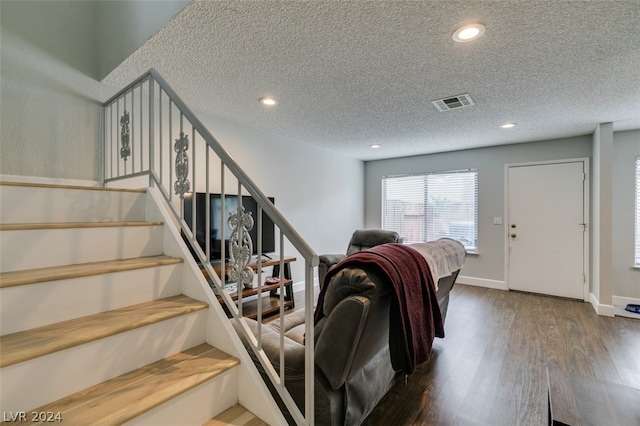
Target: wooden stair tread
x=236, y=416
x=70, y=225
x=64, y=186
x=29, y=344
x=125, y=397
x=54, y=273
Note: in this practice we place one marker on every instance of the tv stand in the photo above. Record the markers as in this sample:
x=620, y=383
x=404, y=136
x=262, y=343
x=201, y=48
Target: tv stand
x=271, y=301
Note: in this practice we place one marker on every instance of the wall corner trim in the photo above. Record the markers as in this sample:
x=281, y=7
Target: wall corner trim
x=603, y=310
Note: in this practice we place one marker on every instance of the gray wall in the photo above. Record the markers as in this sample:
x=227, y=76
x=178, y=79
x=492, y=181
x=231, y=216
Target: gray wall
x=50, y=115
x=125, y=25
x=49, y=112
x=490, y=162
x=49, y=105
x=52, y=55
x=488, y=266
x=626, y=279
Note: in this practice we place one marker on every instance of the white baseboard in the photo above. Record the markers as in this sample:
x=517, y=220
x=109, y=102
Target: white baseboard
x=299, y=286
x=482, y=282
x=621, y=302
x=133, y=182
x=48, y=181
x=604, y=310
x=621, y=312
x=624, y=301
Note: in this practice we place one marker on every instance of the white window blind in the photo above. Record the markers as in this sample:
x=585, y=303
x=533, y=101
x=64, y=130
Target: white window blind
x=430, y=206
x=637, y=245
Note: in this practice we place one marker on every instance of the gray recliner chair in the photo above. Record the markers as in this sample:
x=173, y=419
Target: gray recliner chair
x=352, y=354
x=361, y=239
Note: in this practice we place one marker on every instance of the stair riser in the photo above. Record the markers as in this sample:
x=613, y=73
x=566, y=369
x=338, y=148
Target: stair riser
x=34, y=305
x=20, y=204
x=33, y=383
x=196, y=406
x=29, y=249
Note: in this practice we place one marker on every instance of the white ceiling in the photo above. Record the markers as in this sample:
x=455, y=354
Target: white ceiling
x=349, y=74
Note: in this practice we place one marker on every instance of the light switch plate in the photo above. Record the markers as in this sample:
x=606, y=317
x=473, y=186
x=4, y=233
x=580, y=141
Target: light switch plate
x=497, y=220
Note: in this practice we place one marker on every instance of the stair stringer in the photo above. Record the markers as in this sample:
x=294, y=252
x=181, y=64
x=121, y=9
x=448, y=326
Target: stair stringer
x=252, y=392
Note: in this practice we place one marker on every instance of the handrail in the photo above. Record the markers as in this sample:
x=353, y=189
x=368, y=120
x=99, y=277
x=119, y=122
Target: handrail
x=299, y=243
x=149, y=115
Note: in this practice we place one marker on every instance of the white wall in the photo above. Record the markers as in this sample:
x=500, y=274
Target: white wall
x=319, y=192
x=626, y=279
x=49, y=109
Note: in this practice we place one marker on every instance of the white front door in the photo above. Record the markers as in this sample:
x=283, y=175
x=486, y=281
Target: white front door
x=546, y=229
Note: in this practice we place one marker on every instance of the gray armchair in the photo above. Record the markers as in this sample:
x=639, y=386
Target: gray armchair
x=361, y=239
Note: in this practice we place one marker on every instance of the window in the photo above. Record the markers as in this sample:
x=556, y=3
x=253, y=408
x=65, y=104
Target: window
x=637, y=251
x=429, y=206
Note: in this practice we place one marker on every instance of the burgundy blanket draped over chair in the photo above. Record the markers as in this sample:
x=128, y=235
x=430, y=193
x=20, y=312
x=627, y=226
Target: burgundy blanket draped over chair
x=415, y=318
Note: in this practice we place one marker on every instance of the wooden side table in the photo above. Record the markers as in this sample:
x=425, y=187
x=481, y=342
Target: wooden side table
x=579, y=401
x=271, y=303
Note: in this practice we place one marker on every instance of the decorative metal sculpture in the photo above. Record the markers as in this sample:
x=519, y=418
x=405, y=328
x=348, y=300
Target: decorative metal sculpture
x=181, y=146
x=240, y=248
x=125, y=149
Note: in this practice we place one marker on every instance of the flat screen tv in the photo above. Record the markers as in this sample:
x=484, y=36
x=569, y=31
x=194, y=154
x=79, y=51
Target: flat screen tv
x=230, y=206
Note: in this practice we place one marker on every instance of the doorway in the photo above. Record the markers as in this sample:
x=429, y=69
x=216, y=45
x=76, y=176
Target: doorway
x=547, y=236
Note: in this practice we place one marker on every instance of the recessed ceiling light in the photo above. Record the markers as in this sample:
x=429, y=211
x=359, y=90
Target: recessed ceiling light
x=508, y=126
x=468, y=32
x=268, y=101
x=375, y=146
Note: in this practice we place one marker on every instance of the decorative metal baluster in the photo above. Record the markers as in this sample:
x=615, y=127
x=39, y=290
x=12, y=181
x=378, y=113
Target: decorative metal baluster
x=181, y=146
x=125, y=149
x=240, y=248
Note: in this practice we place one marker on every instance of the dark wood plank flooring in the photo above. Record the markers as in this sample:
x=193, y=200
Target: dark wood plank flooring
x=490, y=369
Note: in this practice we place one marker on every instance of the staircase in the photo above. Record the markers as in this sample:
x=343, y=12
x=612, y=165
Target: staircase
x=95, y=324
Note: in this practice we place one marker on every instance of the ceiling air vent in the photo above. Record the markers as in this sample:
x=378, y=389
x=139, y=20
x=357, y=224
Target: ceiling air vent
x=454, y=102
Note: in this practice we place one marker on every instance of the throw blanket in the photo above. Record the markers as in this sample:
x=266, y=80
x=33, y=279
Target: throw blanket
x=414, y=318
x=444, y=256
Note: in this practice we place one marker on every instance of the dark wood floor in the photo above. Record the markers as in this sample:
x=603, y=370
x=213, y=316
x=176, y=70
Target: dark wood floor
x=490, y=369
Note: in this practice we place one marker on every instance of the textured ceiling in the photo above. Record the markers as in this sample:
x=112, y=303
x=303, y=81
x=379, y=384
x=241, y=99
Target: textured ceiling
x=349, y=74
